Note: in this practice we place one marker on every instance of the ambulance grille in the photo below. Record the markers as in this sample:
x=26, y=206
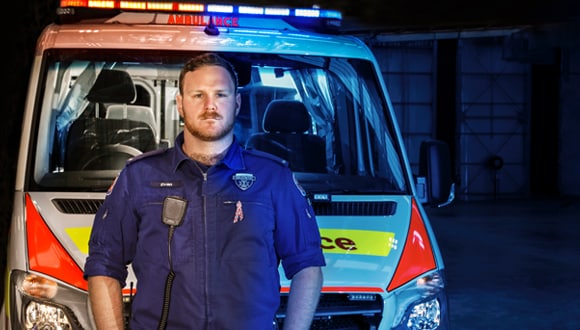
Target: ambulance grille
x=77, y=206
x=354, y=208
x=339, y=311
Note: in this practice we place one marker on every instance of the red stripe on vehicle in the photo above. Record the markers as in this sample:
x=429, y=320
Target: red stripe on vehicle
x=45, y=253
x=417, y=256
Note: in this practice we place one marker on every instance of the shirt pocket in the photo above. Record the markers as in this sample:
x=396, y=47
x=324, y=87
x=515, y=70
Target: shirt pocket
x=245, y=231
x=154, y=232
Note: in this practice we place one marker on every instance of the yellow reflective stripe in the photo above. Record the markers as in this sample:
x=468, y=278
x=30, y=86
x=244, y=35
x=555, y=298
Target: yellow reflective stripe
x=364, y=242
x=339, y=241
x=80, y=236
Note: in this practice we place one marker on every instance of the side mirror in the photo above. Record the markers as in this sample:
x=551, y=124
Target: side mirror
x=434, y=184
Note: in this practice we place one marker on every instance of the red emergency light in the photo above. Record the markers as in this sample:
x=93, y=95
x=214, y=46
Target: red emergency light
x=195, y=7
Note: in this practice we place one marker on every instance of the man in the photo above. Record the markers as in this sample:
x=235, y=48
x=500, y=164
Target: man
x=242, y=211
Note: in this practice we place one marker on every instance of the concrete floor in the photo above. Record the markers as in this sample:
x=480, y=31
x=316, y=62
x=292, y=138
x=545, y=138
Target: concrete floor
x=511, y=264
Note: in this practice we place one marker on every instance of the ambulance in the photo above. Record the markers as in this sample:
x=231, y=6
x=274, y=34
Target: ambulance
x=102, y=90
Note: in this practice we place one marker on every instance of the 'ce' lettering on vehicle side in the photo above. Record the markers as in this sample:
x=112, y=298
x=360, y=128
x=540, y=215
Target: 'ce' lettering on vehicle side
x=357, y=241
x=343, y=243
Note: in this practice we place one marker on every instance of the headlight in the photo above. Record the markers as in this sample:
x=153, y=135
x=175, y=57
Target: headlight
x=45, y=317
x=422, y=304
x=38, y=302
x=425, y=316
x=37, y=313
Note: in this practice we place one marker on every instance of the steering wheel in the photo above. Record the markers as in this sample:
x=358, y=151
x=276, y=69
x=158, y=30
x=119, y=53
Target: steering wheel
x=110, y=157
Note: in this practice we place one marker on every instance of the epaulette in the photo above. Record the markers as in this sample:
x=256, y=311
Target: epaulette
x=146, y=155
x=263, y=154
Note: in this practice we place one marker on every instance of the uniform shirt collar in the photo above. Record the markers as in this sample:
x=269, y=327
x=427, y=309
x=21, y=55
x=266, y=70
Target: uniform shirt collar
x=233, y=158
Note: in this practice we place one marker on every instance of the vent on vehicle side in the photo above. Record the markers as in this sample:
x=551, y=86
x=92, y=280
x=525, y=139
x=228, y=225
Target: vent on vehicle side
x=354, y=208
x=90, y=206
x=77, y=206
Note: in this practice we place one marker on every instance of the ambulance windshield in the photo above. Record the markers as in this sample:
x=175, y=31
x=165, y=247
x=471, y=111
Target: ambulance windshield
x=324, y=116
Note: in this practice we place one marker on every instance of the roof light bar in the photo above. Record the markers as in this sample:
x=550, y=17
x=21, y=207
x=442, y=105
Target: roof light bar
x=277, y=11
x=251, y=10
x=185, y=7
x=220, y=9
x=101, y=4
x=190, y=7
x=307, y=12
x=133, y=5
x=159, y=5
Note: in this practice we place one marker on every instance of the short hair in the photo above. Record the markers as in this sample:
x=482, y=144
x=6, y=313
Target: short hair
x=204, y=60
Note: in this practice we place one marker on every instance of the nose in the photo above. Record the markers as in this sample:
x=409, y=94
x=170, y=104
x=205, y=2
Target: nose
x=210, y=103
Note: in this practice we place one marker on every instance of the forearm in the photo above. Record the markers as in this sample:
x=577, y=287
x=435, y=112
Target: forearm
x=106, y=302
x=303, y=298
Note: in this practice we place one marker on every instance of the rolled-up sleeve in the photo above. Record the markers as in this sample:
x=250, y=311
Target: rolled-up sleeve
x=297, y=234
x=113, y=235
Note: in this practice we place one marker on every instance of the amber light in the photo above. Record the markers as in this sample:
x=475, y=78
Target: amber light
x=39, y=287
x=188, y=7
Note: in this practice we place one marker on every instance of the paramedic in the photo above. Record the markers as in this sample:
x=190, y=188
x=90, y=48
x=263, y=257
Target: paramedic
x=243, y=213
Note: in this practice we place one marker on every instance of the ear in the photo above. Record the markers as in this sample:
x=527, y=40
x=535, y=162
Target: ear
x=179, y=104
x=238, y=103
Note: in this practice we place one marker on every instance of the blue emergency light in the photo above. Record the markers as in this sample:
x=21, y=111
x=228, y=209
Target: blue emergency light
x=196, y=7
x=313, y=19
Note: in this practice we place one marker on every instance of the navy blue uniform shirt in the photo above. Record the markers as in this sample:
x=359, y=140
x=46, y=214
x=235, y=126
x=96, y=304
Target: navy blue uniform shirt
x=243, y=216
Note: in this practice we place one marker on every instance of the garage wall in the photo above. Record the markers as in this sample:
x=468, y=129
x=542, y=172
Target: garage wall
x=569, y=123
x=493, y=121
x=409, y=72
x=492, y=146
